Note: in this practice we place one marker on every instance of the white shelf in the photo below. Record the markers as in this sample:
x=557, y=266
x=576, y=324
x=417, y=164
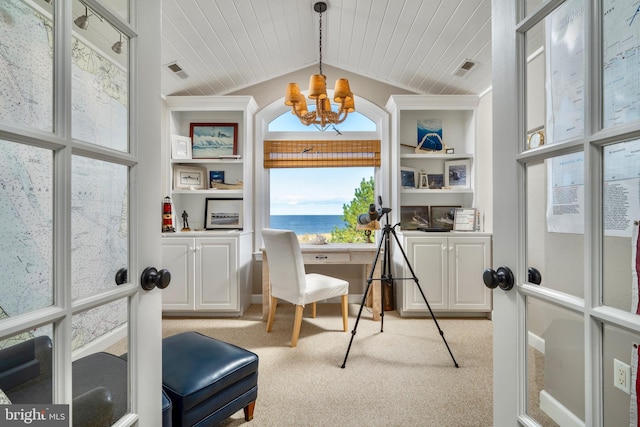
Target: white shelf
x=438, y=191
x=211, y=191
x=205, y=161
x=436, y=156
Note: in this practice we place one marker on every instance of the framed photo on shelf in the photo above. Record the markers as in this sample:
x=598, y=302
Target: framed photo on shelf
x=436, y=181
x=407, y=177
x=412, y=217
x=430, y=134
x=180, y=147
x=215, y=177
x=465, y=219
x=189, y=178
x=214, y=140
x=443, y=216
x=222, y=214
x=457, y=174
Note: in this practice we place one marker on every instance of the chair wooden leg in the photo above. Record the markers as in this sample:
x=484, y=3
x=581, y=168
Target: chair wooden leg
x=345, y=312
x=313, y=310
x=248, y=411
x=272, y=313
x=297, y=323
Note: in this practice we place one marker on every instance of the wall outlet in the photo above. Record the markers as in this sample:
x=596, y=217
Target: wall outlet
x=622, y=376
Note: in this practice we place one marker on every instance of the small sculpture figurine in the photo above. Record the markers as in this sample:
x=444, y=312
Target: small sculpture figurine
x=185, y=221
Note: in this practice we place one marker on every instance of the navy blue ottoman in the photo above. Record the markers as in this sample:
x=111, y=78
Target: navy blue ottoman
x=207, y=380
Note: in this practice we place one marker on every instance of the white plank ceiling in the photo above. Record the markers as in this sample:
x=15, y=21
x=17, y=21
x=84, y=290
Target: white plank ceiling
x=417, y=45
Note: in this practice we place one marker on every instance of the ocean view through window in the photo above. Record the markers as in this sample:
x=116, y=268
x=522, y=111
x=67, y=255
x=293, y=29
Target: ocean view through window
x=310, y=201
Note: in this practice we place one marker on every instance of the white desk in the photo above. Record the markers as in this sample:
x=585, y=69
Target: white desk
x=333, y=253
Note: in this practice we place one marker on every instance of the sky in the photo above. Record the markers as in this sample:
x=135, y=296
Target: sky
x=316, y=191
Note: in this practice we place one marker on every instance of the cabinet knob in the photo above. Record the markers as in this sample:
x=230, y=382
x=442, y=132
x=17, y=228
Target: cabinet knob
x=152, y=278
x=503, y=278
x=534, y=276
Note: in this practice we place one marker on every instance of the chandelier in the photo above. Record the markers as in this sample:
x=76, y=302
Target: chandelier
x=323, y=116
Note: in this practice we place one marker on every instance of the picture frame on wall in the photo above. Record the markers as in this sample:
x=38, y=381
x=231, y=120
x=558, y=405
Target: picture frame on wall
x=412, y=217
x=223, y=214
x=213, y=140
x=189, y=178
x=180, y=147
x=457, y=174
x=443, y=216
x=408, y=177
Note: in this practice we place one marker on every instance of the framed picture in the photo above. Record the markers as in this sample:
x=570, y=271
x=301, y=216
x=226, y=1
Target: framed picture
x=222, y=213
x=189, y=178
x=436, y=181
x=180, y=147
x=456, y=173
x=430, y=134
x=412, y=217
x=408, y=177
x=450, y=150
x=215, y=177
x=214, y=140
x=465, y=219
x=443, y=216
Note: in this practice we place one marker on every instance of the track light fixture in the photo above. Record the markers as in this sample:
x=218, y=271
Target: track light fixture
x=82, y=21
x=117, y=46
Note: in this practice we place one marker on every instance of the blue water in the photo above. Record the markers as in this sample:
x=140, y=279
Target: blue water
x=307, y=224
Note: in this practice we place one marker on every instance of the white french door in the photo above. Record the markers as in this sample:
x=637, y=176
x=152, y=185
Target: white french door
x=79, y=183
x=566, y=128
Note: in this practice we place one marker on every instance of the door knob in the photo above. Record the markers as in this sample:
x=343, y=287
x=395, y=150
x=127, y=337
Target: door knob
x=503, y=278
x=153, y=278
x=121, y=276
x=534, y=276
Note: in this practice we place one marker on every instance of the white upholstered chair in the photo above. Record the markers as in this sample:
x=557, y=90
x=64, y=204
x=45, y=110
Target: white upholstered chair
x=290, y=282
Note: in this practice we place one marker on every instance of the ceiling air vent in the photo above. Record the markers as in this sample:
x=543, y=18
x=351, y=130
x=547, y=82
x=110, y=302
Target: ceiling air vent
x=177, y=70
x=464, y=68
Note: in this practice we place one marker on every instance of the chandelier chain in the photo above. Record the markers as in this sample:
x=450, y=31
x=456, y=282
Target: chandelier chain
x=320, y=44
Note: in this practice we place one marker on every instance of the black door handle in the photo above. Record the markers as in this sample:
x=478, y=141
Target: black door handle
x=534, y=276
x=502, y=278
x=152, y=278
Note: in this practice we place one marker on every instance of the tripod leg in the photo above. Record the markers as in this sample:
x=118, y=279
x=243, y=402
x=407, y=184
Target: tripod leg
x=364, y=300
x=415, y=279
x=355, y=327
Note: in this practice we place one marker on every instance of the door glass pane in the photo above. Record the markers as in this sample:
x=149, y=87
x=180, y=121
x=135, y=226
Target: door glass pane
x=564, y=51
x=620, y=350
x=555, y=364
x=535, y=86
x=620, y=62
x=99, y=224
x=555, y=222
x=621, y=207
x=28, y=356
x=100, y=91
x=120, y=7
x=100, y=363
x=26, y=228
x=26, y=64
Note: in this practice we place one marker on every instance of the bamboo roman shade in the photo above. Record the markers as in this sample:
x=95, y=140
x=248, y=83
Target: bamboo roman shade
x=321, y=154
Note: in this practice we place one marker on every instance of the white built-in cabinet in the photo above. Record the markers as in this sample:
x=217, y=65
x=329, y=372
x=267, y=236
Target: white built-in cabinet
x=211, y=269
x=448, y=265
x=449, y=270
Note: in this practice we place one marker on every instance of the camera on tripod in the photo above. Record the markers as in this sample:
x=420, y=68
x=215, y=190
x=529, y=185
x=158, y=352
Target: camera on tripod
x=373, y=214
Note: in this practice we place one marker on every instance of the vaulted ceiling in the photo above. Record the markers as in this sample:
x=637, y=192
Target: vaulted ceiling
x=418, y=45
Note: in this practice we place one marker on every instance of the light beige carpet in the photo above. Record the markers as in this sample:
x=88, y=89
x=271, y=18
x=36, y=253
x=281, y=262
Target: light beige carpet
x=403, y=376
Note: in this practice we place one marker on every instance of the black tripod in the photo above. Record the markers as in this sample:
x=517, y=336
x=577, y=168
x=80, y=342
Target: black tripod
x=387, y=278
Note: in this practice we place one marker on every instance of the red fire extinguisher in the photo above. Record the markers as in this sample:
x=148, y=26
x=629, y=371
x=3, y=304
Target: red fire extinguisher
x=167, y=216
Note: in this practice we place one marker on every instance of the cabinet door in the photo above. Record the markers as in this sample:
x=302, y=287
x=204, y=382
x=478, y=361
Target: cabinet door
x=217, y=274
x=177, y=257
x=468, y=258
x=429, y=261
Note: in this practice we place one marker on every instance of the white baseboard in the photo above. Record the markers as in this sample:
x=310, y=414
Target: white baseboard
x=558, y=412
x=536, y=342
